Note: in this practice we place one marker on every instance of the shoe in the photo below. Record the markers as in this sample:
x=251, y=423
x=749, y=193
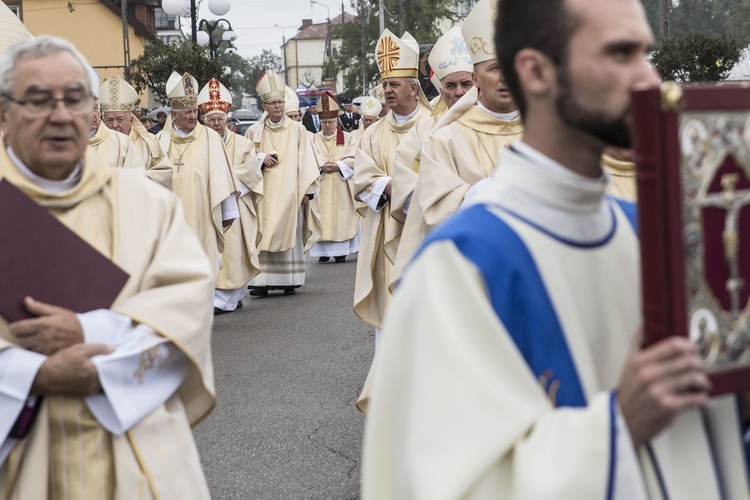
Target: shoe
x=258, y=292
x=290, y=291
x=218, y=311
x=324, y=259
x=239, y=305
x=340, y=258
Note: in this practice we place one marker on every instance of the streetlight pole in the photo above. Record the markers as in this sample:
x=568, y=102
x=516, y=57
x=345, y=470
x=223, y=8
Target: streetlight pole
x=283, y=48
x=328, y=29
x=209, y=27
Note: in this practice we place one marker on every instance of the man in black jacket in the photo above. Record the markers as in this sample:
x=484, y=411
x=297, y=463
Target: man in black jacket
x=349, y=120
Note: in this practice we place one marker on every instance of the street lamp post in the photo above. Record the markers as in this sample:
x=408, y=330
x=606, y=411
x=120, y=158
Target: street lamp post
x=283, y=47
x=189, y=8
x=328, y=29
x=206, y=35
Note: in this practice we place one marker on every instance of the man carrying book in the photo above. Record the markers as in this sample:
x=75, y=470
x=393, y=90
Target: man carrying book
x=519, y=373
x=97, y=404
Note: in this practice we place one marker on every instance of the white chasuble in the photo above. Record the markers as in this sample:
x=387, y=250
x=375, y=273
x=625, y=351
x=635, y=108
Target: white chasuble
x=68, y=453
x=116, y=149
x=240, y=256
x=453, y=159
x=373, y=169
x=157, y=164
x=499, y=378
x=202, y=180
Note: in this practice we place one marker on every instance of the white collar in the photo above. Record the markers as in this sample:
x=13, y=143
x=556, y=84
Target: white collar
x=49, y=185
x=500, y=116
x=179, y=132
x=401, y=119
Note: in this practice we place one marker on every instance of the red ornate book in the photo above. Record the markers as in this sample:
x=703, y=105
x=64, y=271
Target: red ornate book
x=41, y=257
x=693, y=173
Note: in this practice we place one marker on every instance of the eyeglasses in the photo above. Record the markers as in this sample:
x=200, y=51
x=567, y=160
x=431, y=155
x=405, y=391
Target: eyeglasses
x=45, y=104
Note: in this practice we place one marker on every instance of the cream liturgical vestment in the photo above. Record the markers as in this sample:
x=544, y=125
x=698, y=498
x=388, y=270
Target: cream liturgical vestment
x=68, y=452
x=621, y=178
x=156, y=161
x=498, y=378
x=240, y=256
x=453, y=159
x=336, y=200
x=373, y=168
x=202, y=180
x=116, y=149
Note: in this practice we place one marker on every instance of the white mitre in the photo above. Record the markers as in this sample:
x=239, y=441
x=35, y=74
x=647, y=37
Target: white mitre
x=370, y=107
x=397, y=57
x=182, y=91
x=270, y=86
x=479, y=31
x=115, y=94
x=291, y=101
x=214, y=97
x=450, y=55
x=13, y=30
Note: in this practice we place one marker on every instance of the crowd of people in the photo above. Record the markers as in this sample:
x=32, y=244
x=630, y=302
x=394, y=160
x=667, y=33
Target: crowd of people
x=497, y=265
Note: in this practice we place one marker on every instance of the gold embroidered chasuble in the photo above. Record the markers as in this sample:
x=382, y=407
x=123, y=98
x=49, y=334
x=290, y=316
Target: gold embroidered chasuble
x=116, y=149
x=285, y=184
x=141, y=228
x=202, y=180
x=453, y=159
x=374, y=160
x=336, y=200
x=240, y=257
x=157, y=164
x=621, y=178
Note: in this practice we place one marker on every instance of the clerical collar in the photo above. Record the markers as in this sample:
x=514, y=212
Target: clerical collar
x=179, y=132
x=400, y=120
x=49, y=185
x=332, y=136
x=274, y=124
x=500, y=116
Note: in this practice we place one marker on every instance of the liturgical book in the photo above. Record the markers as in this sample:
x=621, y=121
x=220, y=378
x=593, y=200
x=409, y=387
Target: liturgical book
x=40, y=257
x=693, y=173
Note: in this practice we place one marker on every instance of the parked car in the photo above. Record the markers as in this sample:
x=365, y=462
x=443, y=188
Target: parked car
x=243, y=125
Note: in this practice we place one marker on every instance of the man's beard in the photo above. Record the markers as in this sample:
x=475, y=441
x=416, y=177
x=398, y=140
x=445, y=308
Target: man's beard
x=611, y=131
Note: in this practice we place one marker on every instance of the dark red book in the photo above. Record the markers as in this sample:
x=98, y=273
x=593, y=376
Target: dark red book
x=40, y=257
x=693, y=173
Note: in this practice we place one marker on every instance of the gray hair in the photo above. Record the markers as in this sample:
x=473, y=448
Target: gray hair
x=34, y=48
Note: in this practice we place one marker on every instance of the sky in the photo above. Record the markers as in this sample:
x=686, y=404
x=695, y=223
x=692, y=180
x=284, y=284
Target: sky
x=254, y=20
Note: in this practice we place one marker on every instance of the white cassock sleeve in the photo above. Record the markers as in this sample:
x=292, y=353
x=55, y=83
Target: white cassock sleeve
x=243, y=189
x=371, y=196
x=141, y=374
x=407, y=203
x=229, y=209
x=18, y=368
x=345, y=171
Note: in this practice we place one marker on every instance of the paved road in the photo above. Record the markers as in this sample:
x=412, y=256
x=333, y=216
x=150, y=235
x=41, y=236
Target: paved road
x=288, y=372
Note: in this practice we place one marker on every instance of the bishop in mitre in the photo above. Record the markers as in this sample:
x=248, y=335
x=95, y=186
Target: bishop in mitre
x=340, y=236
x=369, y=109
x=465, y=151
x=290, y=179
x=240, y=255
x=451, y=67
x=373, y=169
x=118, y=99
x=202, y=178
x=114, y=148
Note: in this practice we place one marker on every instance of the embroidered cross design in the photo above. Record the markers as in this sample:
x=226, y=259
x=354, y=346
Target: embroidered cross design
x=388, y=55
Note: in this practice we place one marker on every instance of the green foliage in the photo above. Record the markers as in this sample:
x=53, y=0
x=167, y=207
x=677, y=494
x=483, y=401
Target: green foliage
x=711, y=17
x=152, y=69
x=697, y=58
x=257, y=65
x=421, y=18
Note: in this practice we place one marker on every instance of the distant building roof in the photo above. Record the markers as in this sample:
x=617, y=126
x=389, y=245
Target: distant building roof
x=741, y=70
x=319, y=31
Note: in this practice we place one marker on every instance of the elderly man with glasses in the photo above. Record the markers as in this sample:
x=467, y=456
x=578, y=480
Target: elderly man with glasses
x=98, y=404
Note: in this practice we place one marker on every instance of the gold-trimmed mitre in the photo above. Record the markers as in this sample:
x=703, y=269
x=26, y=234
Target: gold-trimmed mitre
x=115, y=94
x=270, y=86
x=214, y=97
x=450, y=54
x=479, y=31
x=378, y=93
x=291, y=101
x=329, y=108
x=397, y=57
x=370, y=106
x=182, y=91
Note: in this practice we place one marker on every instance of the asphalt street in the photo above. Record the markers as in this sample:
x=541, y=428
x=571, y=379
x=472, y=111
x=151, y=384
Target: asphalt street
x=288, y=373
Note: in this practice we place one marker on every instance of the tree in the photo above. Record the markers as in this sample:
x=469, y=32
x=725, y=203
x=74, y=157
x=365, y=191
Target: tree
x=152, y=69
x=715, y=17
x=697, y=58
x=421, y=18
x=257, y=65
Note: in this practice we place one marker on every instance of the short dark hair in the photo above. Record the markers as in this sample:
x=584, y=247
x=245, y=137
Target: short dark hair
x=161, y=113
x=544, y=25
